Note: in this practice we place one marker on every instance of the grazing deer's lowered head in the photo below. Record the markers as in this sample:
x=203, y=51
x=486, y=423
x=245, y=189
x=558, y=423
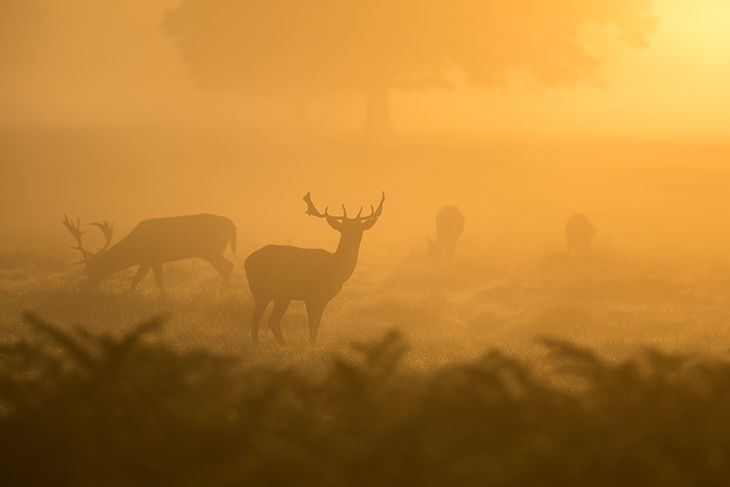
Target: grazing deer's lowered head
x=282, y=273
x=94, y=266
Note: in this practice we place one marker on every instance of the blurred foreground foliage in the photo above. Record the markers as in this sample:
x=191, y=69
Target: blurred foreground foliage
x=82, y=409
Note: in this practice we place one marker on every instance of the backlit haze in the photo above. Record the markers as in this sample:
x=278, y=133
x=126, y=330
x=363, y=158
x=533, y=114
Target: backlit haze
x=102, y=118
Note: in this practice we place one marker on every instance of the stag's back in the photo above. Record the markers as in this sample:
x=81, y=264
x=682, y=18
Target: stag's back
x=180, y=237
x=282, y=271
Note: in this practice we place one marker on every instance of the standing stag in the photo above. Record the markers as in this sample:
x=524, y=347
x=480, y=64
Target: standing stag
x=153, y=242
x=282, y=273
x=579, y=233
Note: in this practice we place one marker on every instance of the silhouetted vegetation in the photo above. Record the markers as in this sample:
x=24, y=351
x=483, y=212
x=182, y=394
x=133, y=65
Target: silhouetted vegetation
x=83, y=409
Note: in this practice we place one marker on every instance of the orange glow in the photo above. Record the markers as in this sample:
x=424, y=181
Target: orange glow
x=115, y=65
x=284, y=182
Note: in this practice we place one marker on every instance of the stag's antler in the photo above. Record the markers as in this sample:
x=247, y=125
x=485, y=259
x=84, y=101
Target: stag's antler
x=373, y=212
x=76, y=233
x=74, y=229
x=313, y=211
x=107, y=229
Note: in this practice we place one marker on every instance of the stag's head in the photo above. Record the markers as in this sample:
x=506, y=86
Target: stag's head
x=88, y=258
x=350, y=227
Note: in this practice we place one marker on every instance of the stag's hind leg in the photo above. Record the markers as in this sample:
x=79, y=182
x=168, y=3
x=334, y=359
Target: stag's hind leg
x=258, y=312
x=141, y=272
x=277, y=314
x=160, y=277
x=314, y=313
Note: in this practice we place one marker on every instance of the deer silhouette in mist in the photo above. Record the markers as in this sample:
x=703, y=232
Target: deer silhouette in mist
x=156, y=241
x=579, y=233
x=282, y=273
x=449, y=226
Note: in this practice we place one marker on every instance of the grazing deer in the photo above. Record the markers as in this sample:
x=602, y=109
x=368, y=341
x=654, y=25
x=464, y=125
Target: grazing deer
x=449, y=226
x=579, y=233
x=282, y=273
x=153, y=242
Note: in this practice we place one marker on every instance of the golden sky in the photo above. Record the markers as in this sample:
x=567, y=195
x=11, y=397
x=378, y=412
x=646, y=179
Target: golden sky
x=677, y=87
x=112, y=65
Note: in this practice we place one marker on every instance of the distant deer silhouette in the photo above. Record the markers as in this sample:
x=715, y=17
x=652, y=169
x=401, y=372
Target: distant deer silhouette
x=579, y=233
x=156, y=241
x=282, y=273
x=449, y=226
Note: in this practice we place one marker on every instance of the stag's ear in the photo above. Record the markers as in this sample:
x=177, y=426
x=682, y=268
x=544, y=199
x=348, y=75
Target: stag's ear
x=368, y=224
x=334, y=223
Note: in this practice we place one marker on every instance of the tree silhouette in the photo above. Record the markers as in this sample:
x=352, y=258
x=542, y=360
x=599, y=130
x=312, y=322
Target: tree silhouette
x=298, y=47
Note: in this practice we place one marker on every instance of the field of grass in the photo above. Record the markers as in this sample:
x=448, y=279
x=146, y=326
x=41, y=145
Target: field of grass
x=424, y=376
x=614, y=304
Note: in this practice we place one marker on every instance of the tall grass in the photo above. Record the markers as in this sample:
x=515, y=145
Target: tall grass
x=78, y=408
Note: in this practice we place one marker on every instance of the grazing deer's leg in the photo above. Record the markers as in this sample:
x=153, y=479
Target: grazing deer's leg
x=141, y=272
x=157, y=269
x=280, y=306
x=258, y=312
x=314, y=313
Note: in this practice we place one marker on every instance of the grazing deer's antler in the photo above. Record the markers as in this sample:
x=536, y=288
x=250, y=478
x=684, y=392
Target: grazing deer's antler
x=107, y=229
x=76, y=233
x=74, y=229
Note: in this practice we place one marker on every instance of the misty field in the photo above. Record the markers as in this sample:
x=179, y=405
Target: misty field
x=562, y=371
x=448, y=312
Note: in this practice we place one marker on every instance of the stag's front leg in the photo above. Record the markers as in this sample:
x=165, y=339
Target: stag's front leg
x=141, y=272
x=160, y=277
x=277, y=314
x=314, y=313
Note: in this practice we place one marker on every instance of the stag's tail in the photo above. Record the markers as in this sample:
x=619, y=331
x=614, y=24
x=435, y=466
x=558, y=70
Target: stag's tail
x=233, y=239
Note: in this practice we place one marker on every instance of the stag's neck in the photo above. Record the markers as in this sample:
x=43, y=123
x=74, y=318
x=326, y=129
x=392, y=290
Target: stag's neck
x=346, y=255
x=113, y=259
